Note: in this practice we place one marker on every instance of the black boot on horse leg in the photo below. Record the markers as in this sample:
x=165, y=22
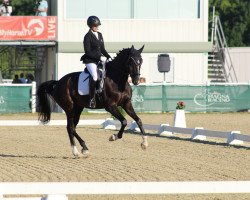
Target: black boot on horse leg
x=92, y=88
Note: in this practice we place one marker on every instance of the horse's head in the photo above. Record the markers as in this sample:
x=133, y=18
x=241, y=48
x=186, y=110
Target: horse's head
x=134, y=64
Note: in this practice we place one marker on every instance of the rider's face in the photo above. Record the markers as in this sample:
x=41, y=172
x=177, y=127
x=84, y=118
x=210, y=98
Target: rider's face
x=6, y=2
x=95, y=28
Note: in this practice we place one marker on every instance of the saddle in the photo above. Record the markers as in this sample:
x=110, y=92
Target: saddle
x=101, y=74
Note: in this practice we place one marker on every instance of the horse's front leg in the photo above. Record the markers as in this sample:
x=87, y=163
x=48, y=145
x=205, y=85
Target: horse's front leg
x=131, y=112
x=116, y=113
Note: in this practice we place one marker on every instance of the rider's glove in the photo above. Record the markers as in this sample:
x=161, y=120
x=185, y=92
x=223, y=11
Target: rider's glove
x=103, y=58
x=109, y=59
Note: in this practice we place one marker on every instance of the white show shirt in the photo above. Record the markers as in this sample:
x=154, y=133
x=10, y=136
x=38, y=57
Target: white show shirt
x=95, y=33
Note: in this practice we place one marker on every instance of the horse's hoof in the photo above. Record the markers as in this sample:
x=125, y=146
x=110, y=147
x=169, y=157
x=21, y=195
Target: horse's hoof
x=75, y=152
x=113, y=137
x=85, y=153
x=144, y=145
x=77, y=156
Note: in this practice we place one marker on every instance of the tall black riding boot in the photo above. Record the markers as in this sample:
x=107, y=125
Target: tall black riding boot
x=92, y=88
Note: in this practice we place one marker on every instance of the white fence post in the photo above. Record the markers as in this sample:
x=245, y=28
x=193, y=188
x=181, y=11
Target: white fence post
x=163, y=130
x=196, y=135
x=133, y=127
x=55, y=197
x=108, y=124
x=33, y=97
x=231, y=140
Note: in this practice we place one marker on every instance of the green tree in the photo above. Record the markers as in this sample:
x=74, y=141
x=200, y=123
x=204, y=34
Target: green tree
x=23, y=7
x=235, y=19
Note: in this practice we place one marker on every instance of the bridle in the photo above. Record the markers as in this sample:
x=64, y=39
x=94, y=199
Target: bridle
x=137, y=64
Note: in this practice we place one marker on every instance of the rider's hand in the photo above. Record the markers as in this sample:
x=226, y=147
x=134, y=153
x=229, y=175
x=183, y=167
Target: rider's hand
x=103, y=58
x=109, y=59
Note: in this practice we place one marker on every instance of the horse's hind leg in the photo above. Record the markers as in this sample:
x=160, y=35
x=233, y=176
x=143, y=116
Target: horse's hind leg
x=71, y=129
x=116, y=113
x=77, y=111
x=131, y=112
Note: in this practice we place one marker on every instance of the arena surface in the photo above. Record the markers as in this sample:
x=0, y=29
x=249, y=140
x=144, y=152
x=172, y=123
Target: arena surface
x=43, y=153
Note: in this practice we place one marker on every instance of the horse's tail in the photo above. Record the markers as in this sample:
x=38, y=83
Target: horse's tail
x=44, y=104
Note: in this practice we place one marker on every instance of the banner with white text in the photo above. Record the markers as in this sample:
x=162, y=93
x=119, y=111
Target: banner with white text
x=28, y=28
x=212, y=98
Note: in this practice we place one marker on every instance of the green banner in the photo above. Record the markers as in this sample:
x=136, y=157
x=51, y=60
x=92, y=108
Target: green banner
x=213, y=98
x=15, y=99
x=153, y=98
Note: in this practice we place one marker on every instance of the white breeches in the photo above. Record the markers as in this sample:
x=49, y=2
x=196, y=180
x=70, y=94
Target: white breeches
x=92, y=68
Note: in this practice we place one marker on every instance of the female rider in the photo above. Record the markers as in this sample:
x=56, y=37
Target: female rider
x=94, y=52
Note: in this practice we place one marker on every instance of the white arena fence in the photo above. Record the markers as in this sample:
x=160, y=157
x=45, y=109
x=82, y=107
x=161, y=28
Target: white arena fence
x=60, y=190
x=197, y=133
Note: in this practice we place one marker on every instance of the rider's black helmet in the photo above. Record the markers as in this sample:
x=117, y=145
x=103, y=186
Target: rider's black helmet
x=93, y=21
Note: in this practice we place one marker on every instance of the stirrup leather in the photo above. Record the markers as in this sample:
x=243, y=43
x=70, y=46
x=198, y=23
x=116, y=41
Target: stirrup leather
x=92, y=103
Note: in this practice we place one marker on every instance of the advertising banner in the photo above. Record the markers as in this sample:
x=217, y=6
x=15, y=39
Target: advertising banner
x=213, y=98
x=153, y=98
x=28, y=28
x=15, y=99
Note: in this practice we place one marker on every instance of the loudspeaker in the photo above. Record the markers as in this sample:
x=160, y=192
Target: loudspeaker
x=164, y=63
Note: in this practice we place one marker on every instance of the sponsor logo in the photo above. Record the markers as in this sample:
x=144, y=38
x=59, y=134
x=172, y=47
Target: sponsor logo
x=137, y=98
x=1, y=100
x=35, y=25
x=207, y=98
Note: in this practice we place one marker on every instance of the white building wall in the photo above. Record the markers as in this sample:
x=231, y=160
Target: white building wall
x=137, y=30
x=150, y=30
x=188, y=68
x=185, y=68
x=241, y=62
x=69, y=62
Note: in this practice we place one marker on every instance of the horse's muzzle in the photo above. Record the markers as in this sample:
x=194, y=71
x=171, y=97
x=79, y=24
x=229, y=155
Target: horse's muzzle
x=135, y=80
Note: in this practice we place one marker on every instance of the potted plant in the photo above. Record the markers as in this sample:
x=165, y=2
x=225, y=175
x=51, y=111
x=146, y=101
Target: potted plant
x=179, y=117
x=180, y=105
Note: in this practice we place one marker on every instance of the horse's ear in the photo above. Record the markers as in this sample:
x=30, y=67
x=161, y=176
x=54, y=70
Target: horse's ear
x=132, y=49
x=141, y=49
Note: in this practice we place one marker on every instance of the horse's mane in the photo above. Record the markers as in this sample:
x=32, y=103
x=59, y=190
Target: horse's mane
x=120, y=57
x=116, y=66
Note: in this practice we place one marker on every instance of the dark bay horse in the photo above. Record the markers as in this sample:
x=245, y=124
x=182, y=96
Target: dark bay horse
x=116, y=92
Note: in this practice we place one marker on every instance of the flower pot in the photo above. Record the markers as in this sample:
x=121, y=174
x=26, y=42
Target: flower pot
x=179, y=118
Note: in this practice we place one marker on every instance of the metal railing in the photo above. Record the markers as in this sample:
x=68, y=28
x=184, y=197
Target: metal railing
x=221, y=47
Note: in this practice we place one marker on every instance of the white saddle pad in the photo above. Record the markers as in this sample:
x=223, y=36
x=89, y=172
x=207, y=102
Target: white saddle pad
x=83, y=84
